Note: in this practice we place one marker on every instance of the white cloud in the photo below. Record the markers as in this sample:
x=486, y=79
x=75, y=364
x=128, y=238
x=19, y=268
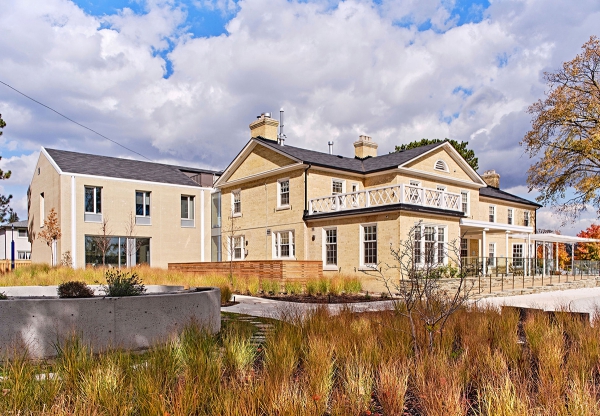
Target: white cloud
x=338, y=69
x=21, y=168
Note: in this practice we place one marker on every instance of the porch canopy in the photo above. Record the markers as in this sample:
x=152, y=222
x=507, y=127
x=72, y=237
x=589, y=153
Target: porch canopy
x=555, y=238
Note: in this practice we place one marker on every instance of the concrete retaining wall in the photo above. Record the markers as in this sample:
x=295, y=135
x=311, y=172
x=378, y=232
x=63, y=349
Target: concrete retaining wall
x=129, y=322
x=50, y=291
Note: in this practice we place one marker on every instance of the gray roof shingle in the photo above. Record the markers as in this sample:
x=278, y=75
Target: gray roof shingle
x=17, y=224
x=113, y=167
x=368, y=165
x=491, y=192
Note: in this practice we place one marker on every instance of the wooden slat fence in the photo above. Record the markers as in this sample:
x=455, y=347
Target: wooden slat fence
x=269, y=269
x=5, y=265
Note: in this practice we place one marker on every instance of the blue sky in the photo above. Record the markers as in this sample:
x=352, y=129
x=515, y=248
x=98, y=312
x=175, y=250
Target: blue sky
x=179, y=81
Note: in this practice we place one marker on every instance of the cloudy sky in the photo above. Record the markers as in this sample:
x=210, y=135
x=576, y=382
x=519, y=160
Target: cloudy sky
x=179, y=81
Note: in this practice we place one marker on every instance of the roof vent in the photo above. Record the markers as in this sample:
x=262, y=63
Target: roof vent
x=330, y=144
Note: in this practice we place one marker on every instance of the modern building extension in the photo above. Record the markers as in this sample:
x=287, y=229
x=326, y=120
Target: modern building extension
x=284, y=202
x=120, y=212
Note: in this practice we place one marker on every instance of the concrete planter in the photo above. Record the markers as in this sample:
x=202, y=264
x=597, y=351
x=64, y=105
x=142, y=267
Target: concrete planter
x=134, y=322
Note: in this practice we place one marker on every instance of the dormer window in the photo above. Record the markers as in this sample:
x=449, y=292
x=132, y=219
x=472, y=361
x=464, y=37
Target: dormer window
x=441, y=165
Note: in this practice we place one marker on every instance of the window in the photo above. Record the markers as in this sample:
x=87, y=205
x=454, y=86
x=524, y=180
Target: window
x=22, y=233
x=464, y=201
x=492, y=211
x=517, y=255
x=354, y=187
x=441, y=165
x=236, y=201
x=215, y=248
x=42, y=210
x=116, y=251
x=215, y=210
x=331, y=247
x=429, y=245
x=510, y=216
x=464, y=248
x=187, y=211
x=492, y=254
x=284, y=193
x=93, y=200
x=370, y=245
x=238, y=248
x=337, y=186
x=284, y=244
x=142, y=204
x=526, y=218
x=23, y=255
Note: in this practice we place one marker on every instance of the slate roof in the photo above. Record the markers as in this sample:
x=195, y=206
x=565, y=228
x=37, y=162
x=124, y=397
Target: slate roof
x=492, y=192
x=114, y=167
x=368, y=165
x=17, y=224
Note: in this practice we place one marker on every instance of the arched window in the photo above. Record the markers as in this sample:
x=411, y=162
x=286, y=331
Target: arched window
x=441, y=165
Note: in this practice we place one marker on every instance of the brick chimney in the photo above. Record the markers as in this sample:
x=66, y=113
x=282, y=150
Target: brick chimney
x=264, y=126
x=364, y=147
x=491, y=178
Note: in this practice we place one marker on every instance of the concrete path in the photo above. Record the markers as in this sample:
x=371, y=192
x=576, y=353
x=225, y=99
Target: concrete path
x=277, y=309
x=586, y=300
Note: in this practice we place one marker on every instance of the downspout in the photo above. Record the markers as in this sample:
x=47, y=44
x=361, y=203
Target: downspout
x=306, y=189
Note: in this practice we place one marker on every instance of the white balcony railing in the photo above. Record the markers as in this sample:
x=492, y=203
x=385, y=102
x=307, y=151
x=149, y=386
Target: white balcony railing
x=387, y=195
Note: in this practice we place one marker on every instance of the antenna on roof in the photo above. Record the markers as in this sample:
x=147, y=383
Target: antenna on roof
x=281, y=137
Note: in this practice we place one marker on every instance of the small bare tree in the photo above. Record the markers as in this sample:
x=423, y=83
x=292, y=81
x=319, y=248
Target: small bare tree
x=51, y=234
x=102, y=240
x=421, y=293
x=230, y=232
x=132, y=245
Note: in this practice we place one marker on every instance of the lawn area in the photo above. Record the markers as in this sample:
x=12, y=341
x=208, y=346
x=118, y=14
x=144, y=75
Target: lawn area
x=485, y=363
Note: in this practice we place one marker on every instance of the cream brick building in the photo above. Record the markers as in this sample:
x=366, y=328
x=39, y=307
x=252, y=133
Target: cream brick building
x=155, y=213
x=285, y=202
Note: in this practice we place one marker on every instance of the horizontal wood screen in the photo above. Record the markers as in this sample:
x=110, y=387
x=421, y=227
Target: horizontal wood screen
x=270, y=269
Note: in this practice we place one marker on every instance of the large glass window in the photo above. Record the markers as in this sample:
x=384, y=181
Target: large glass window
x=417, y=241
x=142, y=204
x=492, y=254
x=518, y=255
x=464, y=199
x=93, y=200
x=429, y=245
x=238, y=248
x=113, y=251
x=284, y=193
x=215, y=248
x=215, y=210
x=337, y=186
x=331, y=247
x=370, y=245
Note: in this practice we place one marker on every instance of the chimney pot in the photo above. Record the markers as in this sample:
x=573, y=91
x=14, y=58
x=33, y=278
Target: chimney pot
x=264, y=126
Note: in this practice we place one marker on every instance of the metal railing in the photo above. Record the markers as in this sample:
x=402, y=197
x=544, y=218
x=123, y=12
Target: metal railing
x=387, y=195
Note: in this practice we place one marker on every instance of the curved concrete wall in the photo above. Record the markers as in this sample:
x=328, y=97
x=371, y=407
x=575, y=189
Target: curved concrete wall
x=129, y=322
x=50, y=291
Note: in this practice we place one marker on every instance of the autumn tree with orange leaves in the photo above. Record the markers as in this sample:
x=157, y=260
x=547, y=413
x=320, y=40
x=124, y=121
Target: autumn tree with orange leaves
x=589, y=251
x=51, y=233
x=565, y=134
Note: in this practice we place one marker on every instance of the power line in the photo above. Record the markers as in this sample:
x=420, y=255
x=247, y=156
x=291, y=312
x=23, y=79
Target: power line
x=73, y=121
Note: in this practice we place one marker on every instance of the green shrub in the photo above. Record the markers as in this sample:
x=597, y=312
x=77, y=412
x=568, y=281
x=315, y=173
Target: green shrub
x=311, y=287
x=270, y=287
x=3, y=296
x=323, y=286
x=74, y=289
x=122, y=284
x=252, y=285
x=292, y=288
x=225, y=294
x=445, y=272
x=352, y=285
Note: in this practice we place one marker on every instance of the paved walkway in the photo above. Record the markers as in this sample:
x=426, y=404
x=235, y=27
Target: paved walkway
x=585, y=300
x=277, y=309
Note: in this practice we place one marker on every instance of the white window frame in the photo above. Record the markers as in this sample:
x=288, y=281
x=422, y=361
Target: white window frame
x=436, y=242
x=146, y=199
x=190, y=221
x=492, y=213
x=277, y=244
x=19, y=233
x=510, y=217
x=23, y=255
x=232, y=247
x=342, y=182
x=95, y=201
x=526, y=218
x=444, y=164
x=325, y=244
x=235, y=213
x=492, y=254
x=468, y=202
x=465, y=249
x=279, y=193
x=363, y=265
x=514, y=245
